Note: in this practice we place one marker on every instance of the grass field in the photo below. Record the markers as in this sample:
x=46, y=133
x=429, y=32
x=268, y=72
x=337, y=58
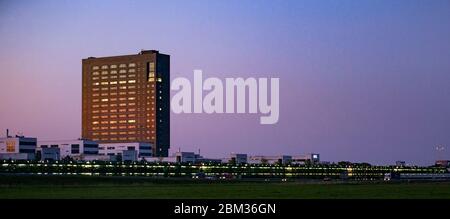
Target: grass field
x=124, y=187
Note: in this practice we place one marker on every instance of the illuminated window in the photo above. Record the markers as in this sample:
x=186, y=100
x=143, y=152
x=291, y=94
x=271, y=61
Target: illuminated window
x=94, y=122
x=104, y=105
x=122, y=98
x=104, y=77
x=113, y=116
x=95, y=83
x=104, y=94
x=122, y=93
x=122, y=127
x=132, y=75
x=131, y=109
x=122, y=66
x=104, y=117
x=132, y=70
x=95, y=100
x=113, y=127
x=105, y=88
x=113, y=99
x=132, y=92
x=131, y=98
x=94, y=117
x=95, y=133
x=95, y=95
x=132, y=104
x=122, y=110
x=122, y=82
x=112, y=122
x=132, y=115
x=131, y=121
x=95, y=111
x=104, y=67
x=122, y=121
x=113, y=66
x=112, y=105
x=131, y=126
x=131, y=87
x=123, y=71
x=122, y=133
x=113, y=82
x=104, y=133
x=95, y=68
x=95, y=89
x=113, y=72
x=104, y=72
x=113, y=76
x=104, y=122
x=123, y=104
x=151, y=79
x=113, y=111
x=113, y=133
x=122, y=116
x=95, y=78
x=95, y=128
x=104, y=128
x=95, y=73
x=113, y=94
x=104, y=83
x=113, y=88
x=123, y=87
x=159, y=79
x=132, y=81
x=122, y=76
x=105, y=100
x=132, y=65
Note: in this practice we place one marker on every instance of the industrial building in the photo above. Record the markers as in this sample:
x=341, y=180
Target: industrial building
x=17, y=147
x=143, y=149
x=77, y=149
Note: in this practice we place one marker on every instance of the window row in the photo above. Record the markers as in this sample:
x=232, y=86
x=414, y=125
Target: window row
x=96, y=67
x=121, y=139
x=120, y=127
x=113, y=82
x=113, y=122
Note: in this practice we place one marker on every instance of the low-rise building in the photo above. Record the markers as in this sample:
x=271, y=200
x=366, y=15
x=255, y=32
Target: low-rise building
x=75, y=149
x=17, y=148
x=306, y=159
x=143, y=149
x=282, y=159
x=50, y=154
x=238, y=158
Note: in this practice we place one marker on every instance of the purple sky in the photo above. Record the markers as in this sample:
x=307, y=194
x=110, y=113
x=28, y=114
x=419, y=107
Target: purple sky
x=359, y=80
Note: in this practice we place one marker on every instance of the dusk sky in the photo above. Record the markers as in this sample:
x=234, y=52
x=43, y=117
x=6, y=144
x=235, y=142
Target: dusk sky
x=364, y=81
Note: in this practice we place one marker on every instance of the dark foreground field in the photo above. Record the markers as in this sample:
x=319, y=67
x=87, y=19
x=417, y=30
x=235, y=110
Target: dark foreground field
x=129, y=187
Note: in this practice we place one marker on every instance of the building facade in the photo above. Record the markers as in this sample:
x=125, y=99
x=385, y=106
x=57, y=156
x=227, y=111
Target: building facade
x=75, y=149
x=127, y=99
x=17, y=148
x=143, y=149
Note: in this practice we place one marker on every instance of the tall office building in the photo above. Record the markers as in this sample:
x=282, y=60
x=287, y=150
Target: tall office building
x=126, y=99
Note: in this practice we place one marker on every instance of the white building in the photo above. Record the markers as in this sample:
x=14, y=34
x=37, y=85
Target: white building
x=75, y=149
x=305, y=159
x=17, y=148
x=143, y=149
x=282, y=159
